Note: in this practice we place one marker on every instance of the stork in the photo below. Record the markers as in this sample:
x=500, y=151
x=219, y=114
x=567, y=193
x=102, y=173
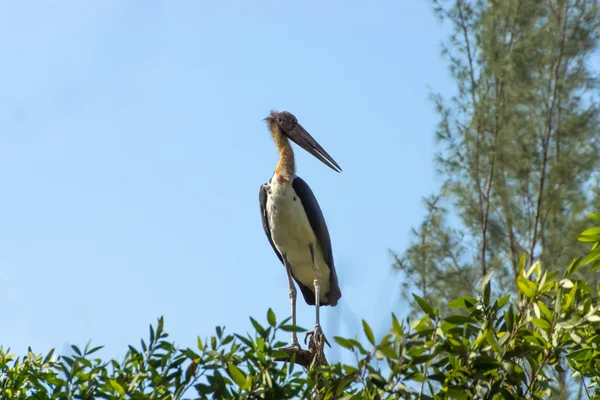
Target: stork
x=294, y=223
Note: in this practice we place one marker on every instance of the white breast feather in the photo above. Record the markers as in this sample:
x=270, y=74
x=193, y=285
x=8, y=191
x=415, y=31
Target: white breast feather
x=291, y=233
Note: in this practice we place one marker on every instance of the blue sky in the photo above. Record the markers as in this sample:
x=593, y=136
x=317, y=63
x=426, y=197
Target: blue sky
x=132, y=148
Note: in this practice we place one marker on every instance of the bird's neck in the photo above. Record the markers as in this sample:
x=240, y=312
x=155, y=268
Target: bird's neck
x=286, y=167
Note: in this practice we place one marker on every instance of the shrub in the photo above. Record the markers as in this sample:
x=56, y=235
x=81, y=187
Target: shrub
x=490, y=347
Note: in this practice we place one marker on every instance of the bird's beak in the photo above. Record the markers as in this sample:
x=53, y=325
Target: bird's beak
x=304, y=140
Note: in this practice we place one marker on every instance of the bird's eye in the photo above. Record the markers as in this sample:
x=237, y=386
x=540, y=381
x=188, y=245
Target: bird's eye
x=287, y=119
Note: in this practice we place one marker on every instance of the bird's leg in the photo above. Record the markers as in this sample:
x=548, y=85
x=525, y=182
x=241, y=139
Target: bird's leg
x=288, y=269
x=318, y=332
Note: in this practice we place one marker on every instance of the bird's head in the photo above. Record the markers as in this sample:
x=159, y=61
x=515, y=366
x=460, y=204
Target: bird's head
x=284, y=120
x=287, y=124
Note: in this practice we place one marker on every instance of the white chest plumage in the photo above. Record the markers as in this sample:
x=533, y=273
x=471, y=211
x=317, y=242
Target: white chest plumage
x=292, y=233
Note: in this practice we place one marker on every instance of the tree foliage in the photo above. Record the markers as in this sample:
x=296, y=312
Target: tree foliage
x=518, y=144
x=485, y=346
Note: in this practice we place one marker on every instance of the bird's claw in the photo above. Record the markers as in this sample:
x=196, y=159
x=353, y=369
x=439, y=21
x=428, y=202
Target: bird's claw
x=317, y=334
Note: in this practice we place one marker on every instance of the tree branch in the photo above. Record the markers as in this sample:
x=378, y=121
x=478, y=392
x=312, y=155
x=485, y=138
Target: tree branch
x=478, y=129
x=546, y=140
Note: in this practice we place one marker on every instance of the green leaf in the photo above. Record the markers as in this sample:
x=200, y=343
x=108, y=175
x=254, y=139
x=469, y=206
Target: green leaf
x=492, y=341
x=591, y=257
x=558, y=301
x=526, y=286
x=573, y=267
x=566, y=283
x=189, y=353
x=534, y=267
x=595, y=217
x=506, y=395
x=576, y=338
x=579, y=354
x=437, y=377
x=271, y=318
x=76, y=350
x=350, y=369
x=463, y=302
x=368, y=332
x=588, y=239
x=95, y=349
x=388, y=351
x=459, y=320
x=160, y=326
x=522, y=262
x=502, y=301
x=593, y=318
x=396, y=325
x=486, y=363
x=509, y=317
x=257, y=326
x=376, y=379
x=421, y=359
x=46, y=359
x=345, y=343
x=292, y=328
x=595, y=265
x=484, y=282
x=547, y=313
x=425, y=306
x=457, y=394
x=237, y=375
x=115, y=387
x=541, y=323
x=244, y=340
x=592, y=231
x=228, y=339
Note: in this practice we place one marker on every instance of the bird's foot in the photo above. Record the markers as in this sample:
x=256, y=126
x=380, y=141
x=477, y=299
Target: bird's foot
x=317, y=336
x=316, y=345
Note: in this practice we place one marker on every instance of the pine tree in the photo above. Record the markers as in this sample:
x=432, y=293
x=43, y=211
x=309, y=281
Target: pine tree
x=519, y=145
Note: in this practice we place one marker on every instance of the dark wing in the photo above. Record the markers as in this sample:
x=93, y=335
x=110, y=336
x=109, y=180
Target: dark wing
x=317, y=222
x=262, y=198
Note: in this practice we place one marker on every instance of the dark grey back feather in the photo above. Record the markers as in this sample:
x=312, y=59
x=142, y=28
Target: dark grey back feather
x=319, y=226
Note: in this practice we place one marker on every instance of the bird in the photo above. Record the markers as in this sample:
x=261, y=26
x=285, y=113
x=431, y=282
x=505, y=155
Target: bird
x=294, y=223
